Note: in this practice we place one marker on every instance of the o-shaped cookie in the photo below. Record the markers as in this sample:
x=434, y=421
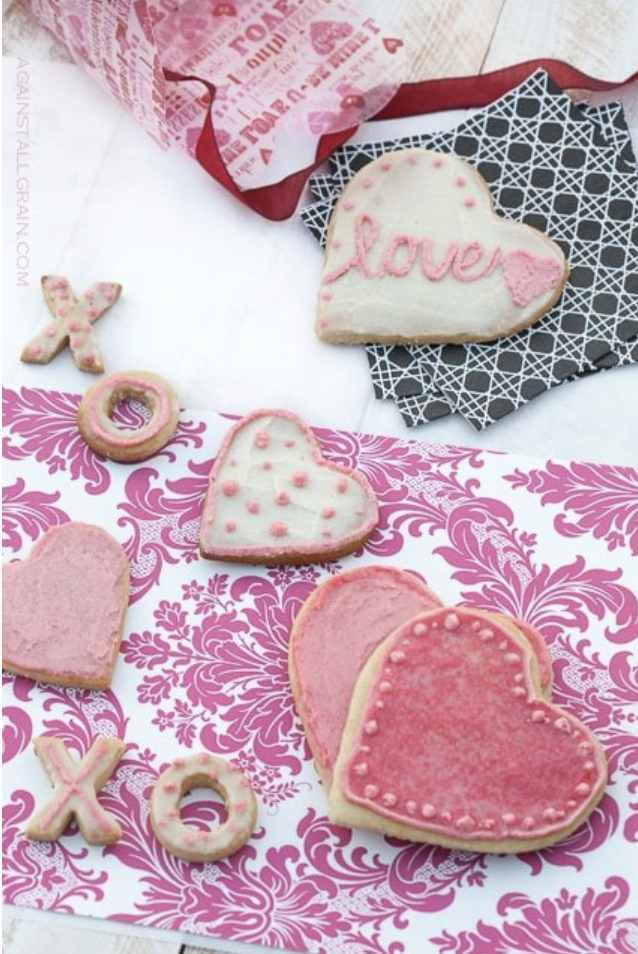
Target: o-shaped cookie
x=203, y=770
x=128, y=444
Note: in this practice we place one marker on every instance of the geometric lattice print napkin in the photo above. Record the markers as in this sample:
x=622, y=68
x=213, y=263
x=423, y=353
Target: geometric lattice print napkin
x=566, y=169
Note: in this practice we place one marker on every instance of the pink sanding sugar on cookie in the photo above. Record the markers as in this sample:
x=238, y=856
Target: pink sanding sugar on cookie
x=337, y=630
x=487, y=764
x=63, y=608
x=527, y=276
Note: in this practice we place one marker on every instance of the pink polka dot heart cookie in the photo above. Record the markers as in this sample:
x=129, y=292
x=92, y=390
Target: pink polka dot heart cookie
x=274, y=498
x=415, y=254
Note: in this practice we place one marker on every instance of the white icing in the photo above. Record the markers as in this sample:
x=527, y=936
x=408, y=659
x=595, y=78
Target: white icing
x=203, y=771
x=271, y=492
x=426, y=196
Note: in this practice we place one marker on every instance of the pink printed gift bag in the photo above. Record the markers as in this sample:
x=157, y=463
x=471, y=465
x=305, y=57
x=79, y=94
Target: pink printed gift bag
x=257, y=91
x=260, y=92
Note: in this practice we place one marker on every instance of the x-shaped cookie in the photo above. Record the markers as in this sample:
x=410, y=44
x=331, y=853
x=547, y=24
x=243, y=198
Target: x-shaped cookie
x=72, y=323
x=75, y=786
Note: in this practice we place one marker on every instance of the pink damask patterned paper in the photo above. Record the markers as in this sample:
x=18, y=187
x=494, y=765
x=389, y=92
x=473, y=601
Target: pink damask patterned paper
x=204, y=665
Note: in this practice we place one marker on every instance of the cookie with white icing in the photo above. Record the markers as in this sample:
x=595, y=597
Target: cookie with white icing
x=203, y=770
x=416, y=255
x=274, y=498
x=450, y=741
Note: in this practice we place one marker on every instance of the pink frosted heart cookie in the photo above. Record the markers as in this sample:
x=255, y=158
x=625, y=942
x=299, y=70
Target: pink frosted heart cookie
x=449, y=741
x=334, y=634
x=273, y=497
x=63, y=608
x=415, y=254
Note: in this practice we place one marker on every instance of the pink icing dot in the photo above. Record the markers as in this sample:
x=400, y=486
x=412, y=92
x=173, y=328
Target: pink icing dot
x=300, y=478
x=63, y=312
x=92, y=312
x=252, y=506
x=50, y=332
x=267, y=465
x=89, y=295
x=336, y=243
x=36, y=350
x=89, y=358
x=438, y=162
x=469, y=203
x=278, y=529
x=75, y=343
x=342, y=485
x=230, y=526
x=110, y=297
x=348, y=206
x=290, y=442
x=326, y=533
x=230, y=488
x=328, y=512
x=367, y=182
x=326, y=296
x=75, y=326
x=64, y=295
x=461, y=181
x=386, y=165
x=412, y=159
x=323, y=322
x=262, y=439
x=282, y=498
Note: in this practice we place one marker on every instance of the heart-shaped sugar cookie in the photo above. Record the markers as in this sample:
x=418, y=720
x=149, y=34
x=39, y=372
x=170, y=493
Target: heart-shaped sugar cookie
x=334, y=634
x=415, y=254
x=63, y=607
x=449, y=741
x=273, y=498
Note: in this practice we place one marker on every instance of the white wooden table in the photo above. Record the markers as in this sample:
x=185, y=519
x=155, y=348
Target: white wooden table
x=446, y=38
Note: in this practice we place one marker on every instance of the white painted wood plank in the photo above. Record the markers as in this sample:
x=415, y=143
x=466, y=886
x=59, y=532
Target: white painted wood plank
x=443, y=37
x=599, y=37
x=25, y=935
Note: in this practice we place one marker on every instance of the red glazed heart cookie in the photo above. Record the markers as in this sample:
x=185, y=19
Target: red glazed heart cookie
x=63, y=608
x=415, y=254
x=449, y=741
x=336, y=631
x=273, y=498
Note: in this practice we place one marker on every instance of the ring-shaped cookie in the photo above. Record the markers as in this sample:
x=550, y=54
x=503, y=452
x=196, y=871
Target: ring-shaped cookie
x=203, y=770
x=128, y=444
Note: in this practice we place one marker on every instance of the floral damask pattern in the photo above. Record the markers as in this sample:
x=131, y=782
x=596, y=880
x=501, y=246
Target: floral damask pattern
x=203, y=664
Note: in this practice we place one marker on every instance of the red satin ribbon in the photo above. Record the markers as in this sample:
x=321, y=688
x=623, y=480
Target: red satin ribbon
x=279, y=201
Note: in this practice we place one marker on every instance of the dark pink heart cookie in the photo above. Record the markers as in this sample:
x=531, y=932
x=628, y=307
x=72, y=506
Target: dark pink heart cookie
x=63, y=608
x=337, y=630
x=450, y=741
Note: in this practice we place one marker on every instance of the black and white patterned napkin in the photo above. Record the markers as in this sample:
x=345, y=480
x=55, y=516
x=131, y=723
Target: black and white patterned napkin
x=566, y=169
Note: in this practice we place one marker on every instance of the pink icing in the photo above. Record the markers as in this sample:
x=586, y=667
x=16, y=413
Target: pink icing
x=72, y=322
x=485, y=759
x=528, y=276
x=63, y=608
x=343, y=622
x=130, y=444
x=74, y=790
x=401, y=251
x=103, y=397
